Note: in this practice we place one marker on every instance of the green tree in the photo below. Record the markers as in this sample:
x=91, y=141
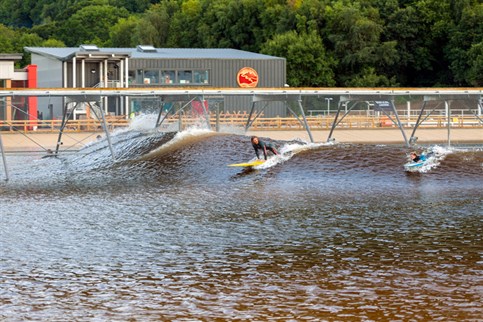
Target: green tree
x=17, y=13
x=435, y=21
x=311, y=15
x=368, y=77
x=220, y=24
x=26, y=39
x=155, y=25
x=135, y=6
x=277, y=18
x=53, y=43
x=13, y=41
x=90, y=25
x=307, y=61
x=122, y=33
x=355, y=37
x=462, y=50
x=403, y=27
x=474, y=74
x=7, y=35
x=192, y=25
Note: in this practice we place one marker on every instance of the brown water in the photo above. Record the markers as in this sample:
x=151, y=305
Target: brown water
x=169, y=232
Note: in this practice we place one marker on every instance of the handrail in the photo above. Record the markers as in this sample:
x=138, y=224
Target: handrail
x=239, y=120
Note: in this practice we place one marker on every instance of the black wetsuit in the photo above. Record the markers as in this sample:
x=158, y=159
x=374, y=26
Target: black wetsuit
x=416, y=158
x=264, y=147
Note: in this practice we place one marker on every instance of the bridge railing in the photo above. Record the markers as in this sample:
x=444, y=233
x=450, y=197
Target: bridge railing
x=320, y=122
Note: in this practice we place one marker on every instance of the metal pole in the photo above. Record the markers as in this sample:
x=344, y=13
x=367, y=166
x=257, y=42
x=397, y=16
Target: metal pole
x=328, y=99
x=181, y=109
x=4, y=159
x=258, y=114
x=334, y=124
x=64, y=123
x=250, y=116
x=416, y=125
x=305, y=120
x=448, y=117
x=165, y=115
x=217, y=117
x=295, y=115
x=161, y=106
x=399, y=124
x=104, y=125
x=408, y=104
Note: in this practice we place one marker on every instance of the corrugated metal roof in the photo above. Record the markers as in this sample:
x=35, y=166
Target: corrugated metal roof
x=161, y=53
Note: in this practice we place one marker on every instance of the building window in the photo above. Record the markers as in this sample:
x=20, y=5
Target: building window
x=151, y=77
x=131, y=77
x=185, y=76
x=139, y=77
x=168, y=76
x=200, y=77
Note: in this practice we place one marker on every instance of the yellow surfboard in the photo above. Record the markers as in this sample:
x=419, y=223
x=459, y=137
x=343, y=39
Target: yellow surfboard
x=247, y=164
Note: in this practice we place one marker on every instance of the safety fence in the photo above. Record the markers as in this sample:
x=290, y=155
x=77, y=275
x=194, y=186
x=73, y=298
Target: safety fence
x=320, y=122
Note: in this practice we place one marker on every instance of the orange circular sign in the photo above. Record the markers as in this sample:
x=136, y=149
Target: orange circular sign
x=247, y=77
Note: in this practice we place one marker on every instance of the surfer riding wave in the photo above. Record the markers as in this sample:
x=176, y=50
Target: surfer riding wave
x=260, y=145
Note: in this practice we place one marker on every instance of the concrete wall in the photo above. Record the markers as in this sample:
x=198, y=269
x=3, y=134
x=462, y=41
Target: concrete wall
x=6, y=69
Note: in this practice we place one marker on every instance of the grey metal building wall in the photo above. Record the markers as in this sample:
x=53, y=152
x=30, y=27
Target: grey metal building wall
x=49, y=71
x=49, y=75
x=223, y=67
x=223, y=73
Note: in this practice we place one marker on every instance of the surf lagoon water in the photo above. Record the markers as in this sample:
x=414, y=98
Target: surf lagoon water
x=169, y=232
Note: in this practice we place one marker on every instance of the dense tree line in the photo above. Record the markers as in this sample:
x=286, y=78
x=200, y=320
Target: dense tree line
x=326, y=42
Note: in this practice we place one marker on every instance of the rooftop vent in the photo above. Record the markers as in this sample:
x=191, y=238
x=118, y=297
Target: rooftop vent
x=89, y=48
x=146, y=49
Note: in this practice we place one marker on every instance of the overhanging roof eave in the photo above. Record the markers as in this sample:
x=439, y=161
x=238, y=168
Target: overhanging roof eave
x=100, y=55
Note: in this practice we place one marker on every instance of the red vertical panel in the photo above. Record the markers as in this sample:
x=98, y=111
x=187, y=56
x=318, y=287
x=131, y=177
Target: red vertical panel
x=32, y=101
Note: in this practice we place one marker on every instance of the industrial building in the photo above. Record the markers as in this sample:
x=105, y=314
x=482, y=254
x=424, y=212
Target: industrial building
x=89, y=66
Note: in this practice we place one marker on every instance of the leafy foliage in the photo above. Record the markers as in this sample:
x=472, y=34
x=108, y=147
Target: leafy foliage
x=307, y=62
x=325, y=42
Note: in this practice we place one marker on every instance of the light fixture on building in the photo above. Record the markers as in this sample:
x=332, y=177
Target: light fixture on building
x=93, y=71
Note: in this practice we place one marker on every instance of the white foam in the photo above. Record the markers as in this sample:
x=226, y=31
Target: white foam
x=287, y=151
x=232, y=129
x=188, y=136
x=143, y=122
x=435, y=154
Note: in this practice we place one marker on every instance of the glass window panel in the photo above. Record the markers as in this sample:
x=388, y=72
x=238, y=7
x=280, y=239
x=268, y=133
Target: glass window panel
x=139, y=76
x=168, y=76
x=151, y=77
x=185, y=76
x=200, y=77
x=131, y=77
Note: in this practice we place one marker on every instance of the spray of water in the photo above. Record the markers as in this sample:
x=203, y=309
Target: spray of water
x=435, y=155
x=287, y=151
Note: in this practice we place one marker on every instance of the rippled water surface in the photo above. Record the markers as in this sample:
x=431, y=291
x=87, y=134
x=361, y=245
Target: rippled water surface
x=169, y=232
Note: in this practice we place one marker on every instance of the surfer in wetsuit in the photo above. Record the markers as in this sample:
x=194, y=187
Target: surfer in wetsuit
x=260, y=145
x=416, y=158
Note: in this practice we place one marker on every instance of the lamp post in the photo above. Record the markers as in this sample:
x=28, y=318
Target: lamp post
x=328, y=99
